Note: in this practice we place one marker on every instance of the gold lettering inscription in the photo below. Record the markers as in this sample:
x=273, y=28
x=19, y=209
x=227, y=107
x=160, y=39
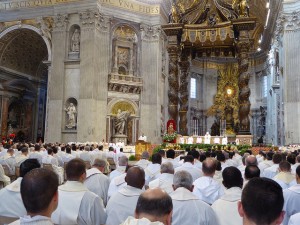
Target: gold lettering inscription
x=10, y=5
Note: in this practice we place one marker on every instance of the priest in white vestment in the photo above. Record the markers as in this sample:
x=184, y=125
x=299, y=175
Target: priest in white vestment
x=40, y=207
x=292, y=199
x=5, y=179
x=165, y=181
x=285, y=178
x=144, y=161
x=122, y=204
x=78, y=205
x=170, y=154
x=96, y=181
x=294, y=167
x=188, y=208
x=37, y=154
x=188, y=166
x=22, y=157
x=206, y=188
x=123, y=162
x=268, y=162
x=226, y=207
x=207, y=138
x=152, y=171
x=273, y=170
x=10, y=196
x=116, y=184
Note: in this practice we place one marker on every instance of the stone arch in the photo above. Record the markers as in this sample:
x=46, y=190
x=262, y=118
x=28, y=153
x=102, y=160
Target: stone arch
x=123, y=104
x=32, y=28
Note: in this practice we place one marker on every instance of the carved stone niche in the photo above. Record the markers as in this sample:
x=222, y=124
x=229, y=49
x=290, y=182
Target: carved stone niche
x=74, y=42
x=123, y=77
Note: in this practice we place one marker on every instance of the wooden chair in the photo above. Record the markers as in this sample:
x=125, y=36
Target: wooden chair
x=48, y=166
x=7, y=220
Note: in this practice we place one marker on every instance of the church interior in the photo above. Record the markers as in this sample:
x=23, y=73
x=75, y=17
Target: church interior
x=70, y=70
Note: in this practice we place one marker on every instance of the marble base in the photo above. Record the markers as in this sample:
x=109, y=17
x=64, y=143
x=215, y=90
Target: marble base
x=245, y=139
x=120, y=138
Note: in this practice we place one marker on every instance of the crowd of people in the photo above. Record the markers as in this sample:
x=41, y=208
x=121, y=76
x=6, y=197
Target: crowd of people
x=197, y=188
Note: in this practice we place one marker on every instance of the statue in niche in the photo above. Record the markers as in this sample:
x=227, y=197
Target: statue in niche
x=120, y=121
x=75, y=41
x=123, y=56
x=71, y=113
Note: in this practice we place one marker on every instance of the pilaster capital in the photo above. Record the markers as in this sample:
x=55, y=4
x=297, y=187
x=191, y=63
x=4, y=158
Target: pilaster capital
x=46, y=26
x=94, y=19
x=150, y=33
x=61, y=22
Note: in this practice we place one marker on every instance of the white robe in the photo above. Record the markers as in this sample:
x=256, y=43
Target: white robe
x=36, y=155
x=143, y=163
x=122, y=204
x=117, y=172
x=143, y=221
x=295, y=219
x=174, y=162
x=98, y=183
x=189, y=210
x=294, y=167
x=271, y=171
x=165, y=182
x=11, y=201
x=291, y=202
x=264, y=165
x=285, y=180
x=152, y=172
x=36, y=220
x=189, y=167
x=226, y=207
x=5, y=179
x=77, y=205
x=208, y=189
x=116, y=184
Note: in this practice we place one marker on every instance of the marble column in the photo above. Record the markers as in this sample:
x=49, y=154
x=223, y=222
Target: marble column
x=5, y=101
x=94, y=70
x=184, y=65
x=55, y=113
x=29, y=118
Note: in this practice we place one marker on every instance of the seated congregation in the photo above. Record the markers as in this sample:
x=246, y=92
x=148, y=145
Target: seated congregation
x=70, y=184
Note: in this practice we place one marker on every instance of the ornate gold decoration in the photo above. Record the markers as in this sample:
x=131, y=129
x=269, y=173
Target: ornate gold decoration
x=124, y=106
x=125, y=32
x=226, y=102
x=241, y=7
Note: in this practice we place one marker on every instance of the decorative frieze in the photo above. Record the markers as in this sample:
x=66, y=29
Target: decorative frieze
x=150, y=33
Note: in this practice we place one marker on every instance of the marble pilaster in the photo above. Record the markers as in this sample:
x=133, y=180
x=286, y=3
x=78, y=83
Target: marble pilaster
x=4, y=116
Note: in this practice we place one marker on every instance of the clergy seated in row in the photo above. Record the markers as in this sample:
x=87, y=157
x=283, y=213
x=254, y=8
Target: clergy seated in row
x=85, y=155
x=152, y=171
x=292, y=199
x=226, y=207
x=297, y=163
x=185, y=203
x=96, y=181
x=218, y=174
x=40, y=205
x=188, y=166
x=3, y=178
x=122, y=204
x=221, y=158
x=67, y=157
x=50, y=159
x=165, y=181
x=262, y=202
x=206, y=188
x=154, y=207
x=171, y=158
x=22, y=157
x=123, y=162
x=78, y=205
x=144, y=161
x=9, y=160
x=285, y=178
x=37, y=154
x=272, y=171
x=251, y=172
x=12, y=205
x=268, y=162
x=117, y=183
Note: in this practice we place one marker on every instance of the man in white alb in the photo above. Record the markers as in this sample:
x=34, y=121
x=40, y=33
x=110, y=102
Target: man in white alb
x=165, y=181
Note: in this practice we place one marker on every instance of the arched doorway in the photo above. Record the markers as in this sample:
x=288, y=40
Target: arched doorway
x=24, y=82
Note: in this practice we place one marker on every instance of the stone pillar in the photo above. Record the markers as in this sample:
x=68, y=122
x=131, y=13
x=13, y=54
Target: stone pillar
x=5, y=101
x=53, y=131
x=173, y=51
x=243, y=26
x=184, y=66
x=94, y=69
x=29, y=118
x=151, y=62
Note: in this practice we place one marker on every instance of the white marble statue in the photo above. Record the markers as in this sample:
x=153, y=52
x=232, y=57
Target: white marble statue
x=71, y=112
x=75, y=41
x=120, y=121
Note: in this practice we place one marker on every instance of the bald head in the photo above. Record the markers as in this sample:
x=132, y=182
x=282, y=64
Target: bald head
x=251, y=161
x=135, y=177
x=209, y=166
x=155, y=205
